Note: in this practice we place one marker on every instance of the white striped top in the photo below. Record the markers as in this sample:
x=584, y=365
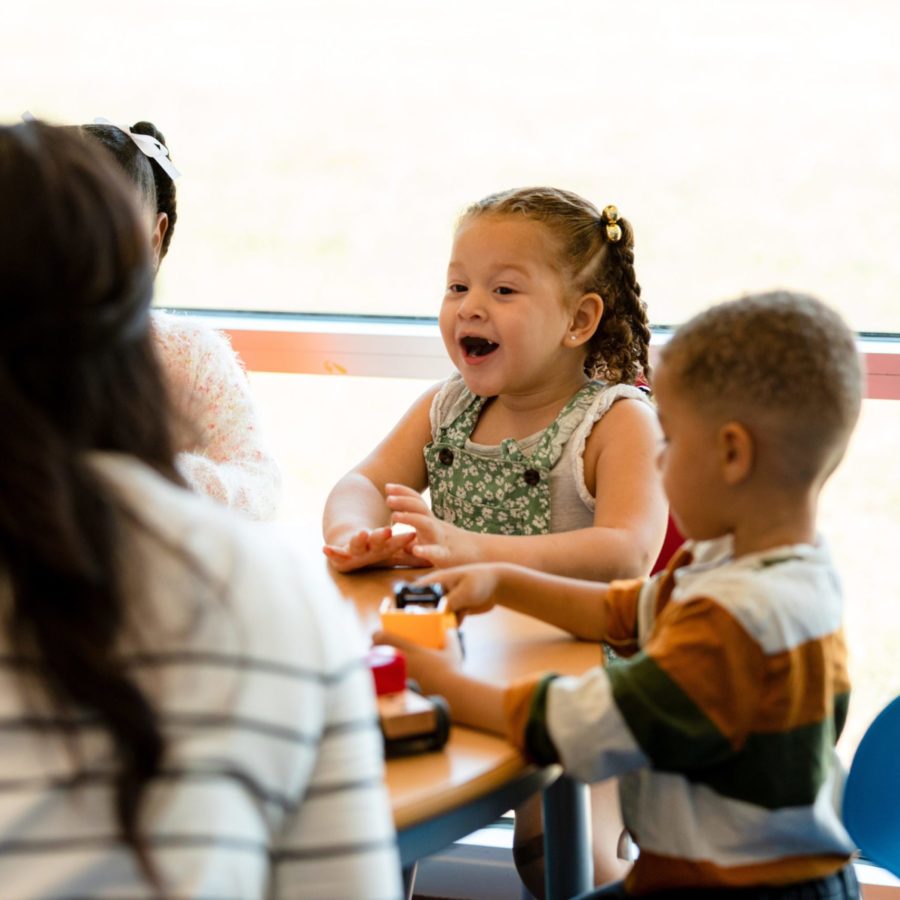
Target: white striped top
x=273, y=777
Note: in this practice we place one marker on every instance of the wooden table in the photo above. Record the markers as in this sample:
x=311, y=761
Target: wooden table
x=440, y=797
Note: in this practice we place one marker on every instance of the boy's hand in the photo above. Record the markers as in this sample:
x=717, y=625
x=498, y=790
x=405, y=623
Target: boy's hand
x=472, y=701
x=434, y=670
x=378, y=547
x=468, y=589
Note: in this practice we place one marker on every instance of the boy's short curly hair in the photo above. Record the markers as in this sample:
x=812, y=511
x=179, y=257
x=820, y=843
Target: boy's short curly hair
x=781, y=361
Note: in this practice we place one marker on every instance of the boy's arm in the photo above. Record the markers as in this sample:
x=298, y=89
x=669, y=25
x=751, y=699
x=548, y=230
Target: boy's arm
x=356, y=520
x=473, y=701
x=629, y=517
x=588, y=610
x=517, y=711
x=687, y=702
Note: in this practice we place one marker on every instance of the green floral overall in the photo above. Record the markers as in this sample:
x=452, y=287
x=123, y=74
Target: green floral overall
x=505, y=495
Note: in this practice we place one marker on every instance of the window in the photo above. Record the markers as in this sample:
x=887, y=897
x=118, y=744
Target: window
x=328, y=145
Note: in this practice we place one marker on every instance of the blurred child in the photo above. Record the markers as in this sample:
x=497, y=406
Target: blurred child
x=222, y=451
x=722, y=721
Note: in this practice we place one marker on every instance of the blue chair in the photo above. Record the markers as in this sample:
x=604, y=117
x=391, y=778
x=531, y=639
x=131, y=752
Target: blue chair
x=871, y=806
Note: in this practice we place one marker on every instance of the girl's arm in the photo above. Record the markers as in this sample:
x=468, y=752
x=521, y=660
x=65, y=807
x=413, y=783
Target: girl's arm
x=629, y=518
x=356, y=520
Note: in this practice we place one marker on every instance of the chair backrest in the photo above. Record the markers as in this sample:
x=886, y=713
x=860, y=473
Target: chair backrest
x=871, y=806
x=673, y=540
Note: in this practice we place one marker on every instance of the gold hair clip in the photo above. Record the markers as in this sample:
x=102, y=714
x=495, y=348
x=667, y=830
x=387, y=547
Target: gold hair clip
x=610, y=218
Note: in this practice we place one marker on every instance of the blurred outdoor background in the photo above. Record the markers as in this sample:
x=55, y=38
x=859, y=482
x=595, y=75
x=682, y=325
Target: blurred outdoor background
x=327, y=147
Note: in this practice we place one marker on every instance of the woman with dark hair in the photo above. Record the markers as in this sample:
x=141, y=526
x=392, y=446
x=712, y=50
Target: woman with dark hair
x=185, y=712
x=222, y=452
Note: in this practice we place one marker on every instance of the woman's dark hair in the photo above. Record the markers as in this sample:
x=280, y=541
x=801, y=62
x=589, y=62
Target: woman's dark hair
x=590, y=262
x=78, y=373
x=157, y=188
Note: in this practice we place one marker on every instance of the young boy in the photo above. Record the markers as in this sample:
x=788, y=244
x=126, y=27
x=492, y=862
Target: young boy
x=723, y=718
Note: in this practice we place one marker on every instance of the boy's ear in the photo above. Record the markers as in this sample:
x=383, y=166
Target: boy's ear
x=585, y=319
x=736, y=452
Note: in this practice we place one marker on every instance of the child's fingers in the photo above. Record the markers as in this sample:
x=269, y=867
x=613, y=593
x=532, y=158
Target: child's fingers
x=392, y=640
x=421, y=662
x=403, y=557
x=402, y=517
x=436, y=577
x=426, y=526
x=400, y=543
x=339, y=559
x=378, y=536
x=400, y=490
x=344, y=565
x=434, y=553
x=359, y=543
x=408, y=505
x=369, y=541
x=333, y=552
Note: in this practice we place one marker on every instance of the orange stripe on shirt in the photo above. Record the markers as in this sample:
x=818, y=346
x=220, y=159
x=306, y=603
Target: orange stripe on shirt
x=620, y=613
x=801, y=684
x=621, y=602
x=715, y=661
x=517, y=709
x=710, y=656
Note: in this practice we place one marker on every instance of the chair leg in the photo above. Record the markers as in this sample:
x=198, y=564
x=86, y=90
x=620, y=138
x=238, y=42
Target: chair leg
x=409, y=880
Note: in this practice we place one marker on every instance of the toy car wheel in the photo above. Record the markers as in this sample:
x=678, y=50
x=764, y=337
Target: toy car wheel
x=442, y=715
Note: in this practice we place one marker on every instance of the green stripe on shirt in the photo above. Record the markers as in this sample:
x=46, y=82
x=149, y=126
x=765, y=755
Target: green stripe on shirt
x=669, y=727
x=772, y=770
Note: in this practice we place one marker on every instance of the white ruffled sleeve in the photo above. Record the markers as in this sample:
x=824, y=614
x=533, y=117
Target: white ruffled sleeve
x=602, y=404
x=449, y=402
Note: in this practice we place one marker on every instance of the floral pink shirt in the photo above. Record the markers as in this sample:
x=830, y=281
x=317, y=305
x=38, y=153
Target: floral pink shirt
x=223, y=453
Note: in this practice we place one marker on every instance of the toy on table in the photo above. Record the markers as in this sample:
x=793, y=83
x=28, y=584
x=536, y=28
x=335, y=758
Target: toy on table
x=418, y=612
x=410, y=723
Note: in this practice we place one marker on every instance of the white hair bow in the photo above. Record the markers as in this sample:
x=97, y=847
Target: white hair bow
x=148, y=145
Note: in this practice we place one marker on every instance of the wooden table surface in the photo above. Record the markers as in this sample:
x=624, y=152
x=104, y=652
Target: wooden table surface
x=500, y=645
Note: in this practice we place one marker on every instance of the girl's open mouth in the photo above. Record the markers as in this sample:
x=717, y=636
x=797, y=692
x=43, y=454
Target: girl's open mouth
x=477, y=346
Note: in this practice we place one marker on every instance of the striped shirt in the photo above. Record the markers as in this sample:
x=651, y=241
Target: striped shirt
x=721, y=721
x=272, y=784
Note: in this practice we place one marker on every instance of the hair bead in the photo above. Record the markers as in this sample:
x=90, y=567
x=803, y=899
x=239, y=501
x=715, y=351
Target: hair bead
x=610, y=218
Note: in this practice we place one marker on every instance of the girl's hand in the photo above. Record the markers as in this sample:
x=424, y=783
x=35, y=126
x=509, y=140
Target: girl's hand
x=378, y=547
x=468, y=589
x=403, y=499
x=437, y=542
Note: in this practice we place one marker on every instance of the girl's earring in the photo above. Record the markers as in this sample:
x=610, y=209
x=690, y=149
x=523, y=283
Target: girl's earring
x=573, y=337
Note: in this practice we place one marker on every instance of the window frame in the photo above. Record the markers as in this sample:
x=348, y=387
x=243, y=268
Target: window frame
x=395, y=347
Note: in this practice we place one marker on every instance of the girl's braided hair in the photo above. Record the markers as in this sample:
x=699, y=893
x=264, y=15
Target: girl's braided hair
x=596, y=255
